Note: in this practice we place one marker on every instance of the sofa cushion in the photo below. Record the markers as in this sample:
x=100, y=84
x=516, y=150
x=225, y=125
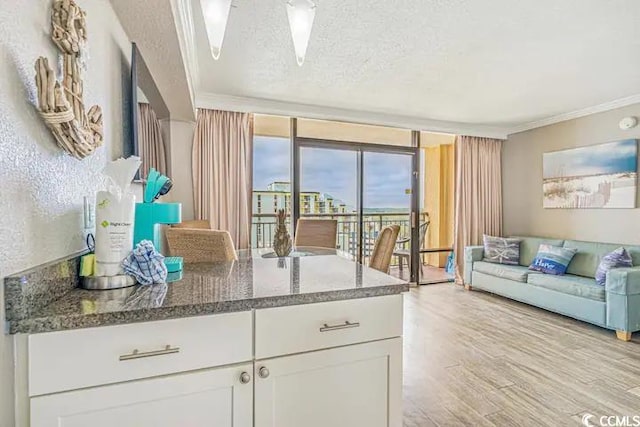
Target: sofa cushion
x=569, y=284
x=616, y=259
x=552, y=259
x=589, y=255
x=501, y=250
x=511, y=272
x=634, y=251
x=529, y=248
x=585, y=262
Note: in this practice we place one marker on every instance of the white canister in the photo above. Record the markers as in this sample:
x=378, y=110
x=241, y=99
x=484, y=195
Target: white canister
x=114, y=231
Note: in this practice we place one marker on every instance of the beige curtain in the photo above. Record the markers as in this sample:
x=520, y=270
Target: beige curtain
x=150, y=144
x=478, y=208
x=223, y=172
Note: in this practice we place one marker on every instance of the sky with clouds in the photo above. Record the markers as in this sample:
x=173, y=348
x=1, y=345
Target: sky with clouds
x=387, y=176
x=609, y=158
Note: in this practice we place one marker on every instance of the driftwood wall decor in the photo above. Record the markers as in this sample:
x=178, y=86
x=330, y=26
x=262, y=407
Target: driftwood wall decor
x=77, y=132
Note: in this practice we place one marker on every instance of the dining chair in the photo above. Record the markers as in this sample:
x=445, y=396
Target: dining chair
x=320, y=233
x=199, y=245
x=383, y=248
x=203, y=224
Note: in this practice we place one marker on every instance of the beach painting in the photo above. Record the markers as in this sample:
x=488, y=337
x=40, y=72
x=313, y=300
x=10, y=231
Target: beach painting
x=597, y=176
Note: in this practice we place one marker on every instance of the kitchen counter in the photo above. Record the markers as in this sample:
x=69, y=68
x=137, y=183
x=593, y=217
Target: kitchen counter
x=256, y=280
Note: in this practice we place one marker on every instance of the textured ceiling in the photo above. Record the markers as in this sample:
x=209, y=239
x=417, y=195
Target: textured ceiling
x=492, y=62
x=151, y=25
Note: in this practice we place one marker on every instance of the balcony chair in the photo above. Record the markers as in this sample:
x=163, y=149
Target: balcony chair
x=383, y=248
x=319, y=233
x=403, y=253
x=200, y=245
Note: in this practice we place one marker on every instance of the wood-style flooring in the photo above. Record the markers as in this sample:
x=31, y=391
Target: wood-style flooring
x=476, y=359
x=428, y=274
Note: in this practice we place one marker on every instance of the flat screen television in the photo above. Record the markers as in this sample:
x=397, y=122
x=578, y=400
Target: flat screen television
x=143, y=89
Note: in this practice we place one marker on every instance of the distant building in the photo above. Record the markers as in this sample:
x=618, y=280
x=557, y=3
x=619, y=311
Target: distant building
x=278, y=196
x=279, y=186
x=266, y=204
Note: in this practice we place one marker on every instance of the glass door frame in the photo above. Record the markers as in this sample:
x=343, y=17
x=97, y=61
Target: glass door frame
x=360, y=148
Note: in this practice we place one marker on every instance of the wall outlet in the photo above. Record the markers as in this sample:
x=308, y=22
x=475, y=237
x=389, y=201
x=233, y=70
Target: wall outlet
x=89, y=214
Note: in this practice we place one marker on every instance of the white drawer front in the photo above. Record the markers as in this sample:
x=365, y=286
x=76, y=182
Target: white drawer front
x=69, y=360
x=295, y=329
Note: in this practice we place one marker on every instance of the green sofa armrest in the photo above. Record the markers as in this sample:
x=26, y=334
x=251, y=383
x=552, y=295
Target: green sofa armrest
x=623, y=281
x=623, y=299
x=471, y=254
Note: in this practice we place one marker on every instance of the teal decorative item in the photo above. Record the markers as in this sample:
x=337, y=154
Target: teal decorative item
x=282, y=239
x=149, y=214
x=451, y=264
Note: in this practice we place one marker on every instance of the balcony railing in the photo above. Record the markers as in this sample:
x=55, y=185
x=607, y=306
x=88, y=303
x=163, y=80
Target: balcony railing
x=263, y=228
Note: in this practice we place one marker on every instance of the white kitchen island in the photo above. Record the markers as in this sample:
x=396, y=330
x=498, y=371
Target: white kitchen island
x=313, y=341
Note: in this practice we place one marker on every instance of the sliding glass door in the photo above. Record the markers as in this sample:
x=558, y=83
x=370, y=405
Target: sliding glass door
x=365, y=187
x=387, y=201
x=329, y=190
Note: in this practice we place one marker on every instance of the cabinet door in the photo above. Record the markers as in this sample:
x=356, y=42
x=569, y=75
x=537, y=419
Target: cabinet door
x=215, y=397
x=352, y=386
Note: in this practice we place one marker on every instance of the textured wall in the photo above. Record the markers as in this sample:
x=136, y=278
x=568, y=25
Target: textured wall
x=522, y=182
x=42, y=189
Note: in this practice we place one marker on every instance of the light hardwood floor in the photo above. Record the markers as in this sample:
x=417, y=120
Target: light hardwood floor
x=428, y=274
x=475, y=359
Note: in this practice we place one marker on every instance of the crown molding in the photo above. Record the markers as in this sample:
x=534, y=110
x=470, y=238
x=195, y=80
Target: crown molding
x=600, y=108
x=183, y=18
x=268, y=106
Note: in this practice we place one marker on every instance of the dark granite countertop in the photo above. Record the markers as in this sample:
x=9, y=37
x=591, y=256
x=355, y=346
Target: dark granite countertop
x=254, y=281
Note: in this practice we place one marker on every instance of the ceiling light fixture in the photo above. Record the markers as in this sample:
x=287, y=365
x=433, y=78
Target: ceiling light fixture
x=301, y=14
x=216, y=15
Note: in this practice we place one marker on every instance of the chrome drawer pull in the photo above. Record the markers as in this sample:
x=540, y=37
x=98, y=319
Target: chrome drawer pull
x=135, y=354
x=345, y=325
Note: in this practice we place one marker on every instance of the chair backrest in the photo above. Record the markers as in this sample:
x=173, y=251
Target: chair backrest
x=202, y=224
x=195, y=245
x=321, y=233
x=383, y=248
x=423, y=232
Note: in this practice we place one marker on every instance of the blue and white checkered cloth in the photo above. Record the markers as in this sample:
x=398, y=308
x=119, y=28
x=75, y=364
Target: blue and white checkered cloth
x=145, y=264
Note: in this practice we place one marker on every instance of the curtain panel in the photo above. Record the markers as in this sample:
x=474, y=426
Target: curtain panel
x=478, y=207
x=150, y=143
x=223, y=172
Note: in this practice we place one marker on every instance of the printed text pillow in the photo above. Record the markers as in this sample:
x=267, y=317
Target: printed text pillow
x=552, y=259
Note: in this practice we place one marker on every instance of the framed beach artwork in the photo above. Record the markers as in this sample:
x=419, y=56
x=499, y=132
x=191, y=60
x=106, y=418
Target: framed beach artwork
x=597, y=176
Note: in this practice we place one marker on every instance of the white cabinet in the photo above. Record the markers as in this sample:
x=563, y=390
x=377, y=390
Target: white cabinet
x=330, y=364
x=217, y=397
x=353, y=386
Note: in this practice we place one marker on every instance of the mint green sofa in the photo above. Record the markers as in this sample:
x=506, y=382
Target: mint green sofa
x=615, y=306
